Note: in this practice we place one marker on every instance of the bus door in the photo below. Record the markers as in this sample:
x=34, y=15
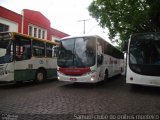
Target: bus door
x=6, y=58
x=22, y=64
x=100, y=59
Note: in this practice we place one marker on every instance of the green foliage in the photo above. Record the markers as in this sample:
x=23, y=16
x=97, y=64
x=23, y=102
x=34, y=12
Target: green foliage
x=125, y=17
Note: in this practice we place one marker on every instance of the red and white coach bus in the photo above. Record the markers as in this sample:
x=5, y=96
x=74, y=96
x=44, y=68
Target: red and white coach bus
x=88, y=58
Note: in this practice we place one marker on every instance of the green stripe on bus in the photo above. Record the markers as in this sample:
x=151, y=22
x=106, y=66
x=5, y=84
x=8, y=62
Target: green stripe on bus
x=51, y=73
x=24, y=75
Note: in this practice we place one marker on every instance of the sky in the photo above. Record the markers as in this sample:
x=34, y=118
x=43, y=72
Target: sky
x=64, y=15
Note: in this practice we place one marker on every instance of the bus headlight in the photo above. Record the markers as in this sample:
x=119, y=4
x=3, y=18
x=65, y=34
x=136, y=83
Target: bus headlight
x=93, y=77
x=58, y=78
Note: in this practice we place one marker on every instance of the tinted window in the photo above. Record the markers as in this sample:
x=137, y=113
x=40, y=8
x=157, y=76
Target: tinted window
x=38, y=48
x=22, y=48
x=112, y=51
x=6, y=48
x=49, y=49
x=144, y=54
x=77, y=52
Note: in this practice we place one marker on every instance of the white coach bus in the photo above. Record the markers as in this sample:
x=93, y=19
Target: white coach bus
x=88, y=59
x=143, y=59
x=24, y=58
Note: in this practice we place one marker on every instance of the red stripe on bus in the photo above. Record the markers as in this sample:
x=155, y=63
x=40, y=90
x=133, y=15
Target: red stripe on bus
x=74, y=71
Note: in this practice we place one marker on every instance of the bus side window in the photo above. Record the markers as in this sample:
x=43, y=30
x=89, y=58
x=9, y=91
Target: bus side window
x=55, y=51
x=100, y=52
x=26, y=52
x=22, y=48
x=155, y=54
x=38, y=48
x=49, y=50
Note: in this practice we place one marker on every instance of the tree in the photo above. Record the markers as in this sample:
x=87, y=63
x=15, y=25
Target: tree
x=125, y=17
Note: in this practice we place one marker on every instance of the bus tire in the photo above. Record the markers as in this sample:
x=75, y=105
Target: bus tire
x=40, y=76
x=106, y=75
x=19, y=82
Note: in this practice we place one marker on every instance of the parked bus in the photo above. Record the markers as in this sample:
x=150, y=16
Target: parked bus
x=87, y=58
x=24, y=58
x=143, y=59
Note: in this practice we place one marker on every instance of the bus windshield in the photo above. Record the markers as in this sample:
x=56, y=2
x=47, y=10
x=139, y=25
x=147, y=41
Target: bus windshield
x=144, y=53
x=77, y=52
x=5, y=47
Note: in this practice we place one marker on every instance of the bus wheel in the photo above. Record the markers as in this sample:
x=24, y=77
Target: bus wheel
x=106, y=75
x=19, y=82
x=40, y=76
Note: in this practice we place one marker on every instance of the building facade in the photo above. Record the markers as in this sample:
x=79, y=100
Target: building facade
x=30, y=22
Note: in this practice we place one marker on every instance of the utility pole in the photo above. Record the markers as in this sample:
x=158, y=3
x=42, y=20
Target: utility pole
x=84, y=24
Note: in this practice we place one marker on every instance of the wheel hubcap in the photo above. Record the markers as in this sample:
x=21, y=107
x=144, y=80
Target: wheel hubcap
x=40, y=76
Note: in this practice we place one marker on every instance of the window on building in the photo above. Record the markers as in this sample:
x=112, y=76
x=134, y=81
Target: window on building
x=39, y=33
x=30, y=30
x=43, y=34
x=4, y=27
x=35, y=32
x=57, y=41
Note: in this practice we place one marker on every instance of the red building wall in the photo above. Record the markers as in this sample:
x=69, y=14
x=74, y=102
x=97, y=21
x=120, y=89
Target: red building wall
x=31, y=17
x=35, y=18
x=10, y=15
x=58, y=33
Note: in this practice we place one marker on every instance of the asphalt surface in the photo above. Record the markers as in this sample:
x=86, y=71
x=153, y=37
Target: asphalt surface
x=62, y=100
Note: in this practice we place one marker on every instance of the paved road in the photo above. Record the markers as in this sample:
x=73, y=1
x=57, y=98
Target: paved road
x=54, y=97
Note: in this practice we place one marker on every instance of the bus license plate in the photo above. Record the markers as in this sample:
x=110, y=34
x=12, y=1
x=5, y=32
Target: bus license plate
x=73, y=79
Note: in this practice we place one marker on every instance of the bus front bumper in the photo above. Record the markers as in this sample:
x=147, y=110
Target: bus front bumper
x=6, y=77
x=88, y=78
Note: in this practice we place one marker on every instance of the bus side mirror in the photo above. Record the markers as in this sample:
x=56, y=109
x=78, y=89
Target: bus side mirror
x=125, y=46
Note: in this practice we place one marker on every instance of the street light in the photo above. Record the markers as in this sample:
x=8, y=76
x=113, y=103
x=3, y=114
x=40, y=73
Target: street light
x=84, y=24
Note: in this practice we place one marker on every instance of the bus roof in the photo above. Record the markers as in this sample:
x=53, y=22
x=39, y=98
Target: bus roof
x=34, y=38
x=76, y=36
x=89, y=35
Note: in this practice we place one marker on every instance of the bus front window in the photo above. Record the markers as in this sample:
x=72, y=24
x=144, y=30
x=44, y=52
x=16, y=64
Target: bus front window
x=84, y=52
x=5, y=48
x=145, y=51
x=77, y=52
x=144, y=54
x=65, y=55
